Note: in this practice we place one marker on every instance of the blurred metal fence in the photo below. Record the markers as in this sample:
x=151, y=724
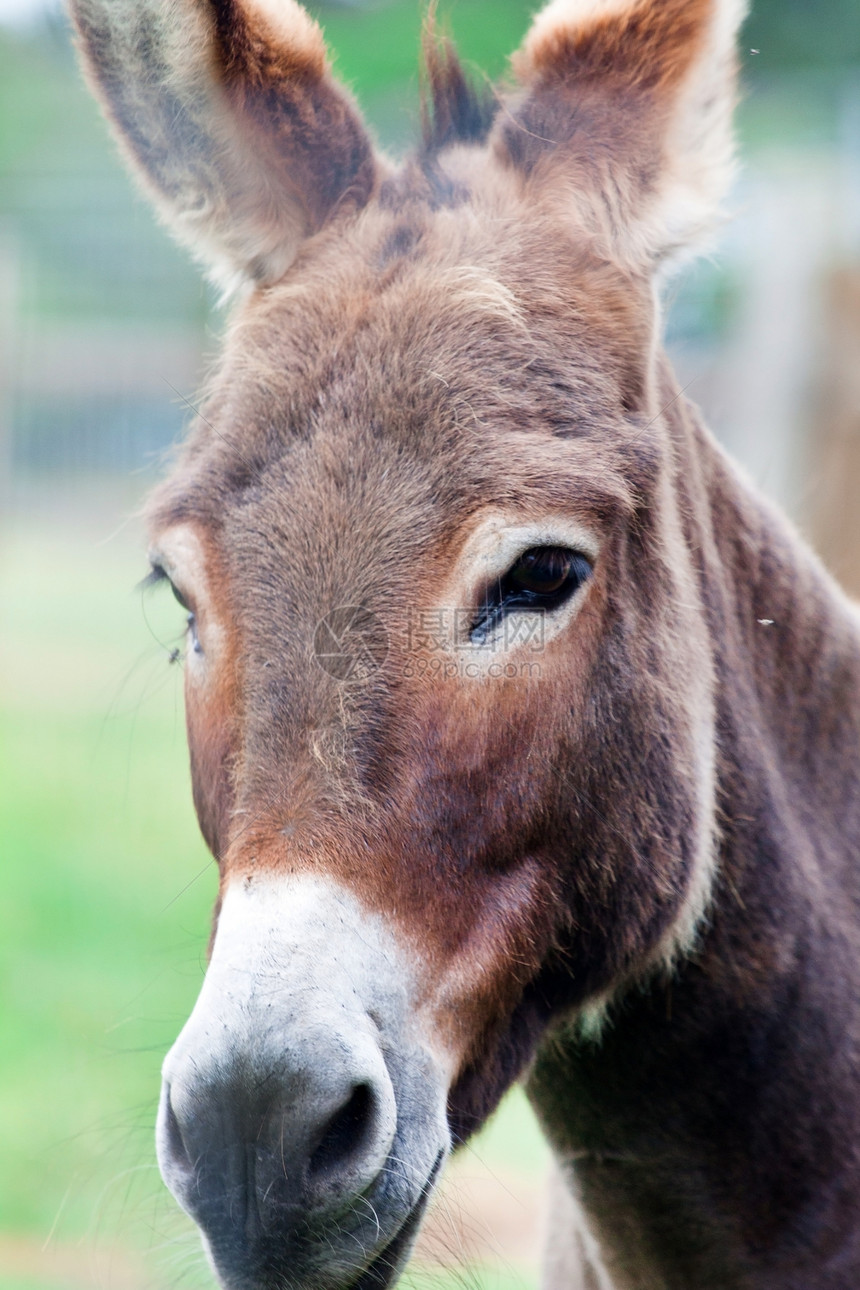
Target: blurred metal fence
x=102, y=320
x=101, y=328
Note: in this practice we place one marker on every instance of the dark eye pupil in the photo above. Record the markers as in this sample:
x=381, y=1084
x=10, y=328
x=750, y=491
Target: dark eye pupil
x=540, y=580
x=542, y=570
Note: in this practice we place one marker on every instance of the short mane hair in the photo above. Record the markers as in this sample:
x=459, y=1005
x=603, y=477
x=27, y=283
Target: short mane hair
x=455, y=107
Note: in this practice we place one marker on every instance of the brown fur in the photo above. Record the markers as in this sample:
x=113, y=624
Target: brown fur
x=646, y=48
x=295, y=118
x=213, y=720
x=236, y=127
x=476, y=334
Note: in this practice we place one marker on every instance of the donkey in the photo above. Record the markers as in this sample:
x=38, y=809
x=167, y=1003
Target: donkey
x=525, y=733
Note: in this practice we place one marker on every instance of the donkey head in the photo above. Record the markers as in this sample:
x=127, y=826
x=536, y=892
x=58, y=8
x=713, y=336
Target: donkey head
x=449, y=693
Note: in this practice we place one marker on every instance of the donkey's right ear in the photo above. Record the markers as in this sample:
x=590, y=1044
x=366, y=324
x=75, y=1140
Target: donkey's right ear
x=230, y=114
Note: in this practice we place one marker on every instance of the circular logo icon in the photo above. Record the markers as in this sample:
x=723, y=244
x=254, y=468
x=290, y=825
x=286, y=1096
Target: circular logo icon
x=350, y=643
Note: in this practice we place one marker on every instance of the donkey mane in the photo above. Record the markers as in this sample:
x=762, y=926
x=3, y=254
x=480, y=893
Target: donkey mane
x=455, y=107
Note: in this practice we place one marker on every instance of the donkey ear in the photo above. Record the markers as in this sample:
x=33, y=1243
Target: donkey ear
x=229, y=113
x=626, y=111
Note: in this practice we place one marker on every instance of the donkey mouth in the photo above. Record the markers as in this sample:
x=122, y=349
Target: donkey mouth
x=388, y=1264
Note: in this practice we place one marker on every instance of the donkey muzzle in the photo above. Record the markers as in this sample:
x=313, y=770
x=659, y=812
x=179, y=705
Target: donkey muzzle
x=301, y=1125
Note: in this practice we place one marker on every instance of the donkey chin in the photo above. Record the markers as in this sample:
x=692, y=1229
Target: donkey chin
x=302, y=1124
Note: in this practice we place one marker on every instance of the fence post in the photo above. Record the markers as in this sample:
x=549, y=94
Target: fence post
x=835, y=519
x=8, y=329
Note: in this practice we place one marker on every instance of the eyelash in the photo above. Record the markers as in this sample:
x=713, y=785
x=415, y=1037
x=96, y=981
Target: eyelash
x=508, y=594
x=157, y=575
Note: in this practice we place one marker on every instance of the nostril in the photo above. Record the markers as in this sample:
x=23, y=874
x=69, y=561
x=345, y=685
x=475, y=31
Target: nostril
x=346, y=1135
x=173, y=1136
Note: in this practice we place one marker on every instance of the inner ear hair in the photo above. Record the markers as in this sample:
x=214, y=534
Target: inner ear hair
x=230, y=116
x=625, y=112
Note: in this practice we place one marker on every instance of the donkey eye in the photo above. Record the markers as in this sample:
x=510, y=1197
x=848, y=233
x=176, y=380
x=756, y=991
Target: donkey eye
x=543, y=570
x=156, y=575
x=180, y=599
x=191, y=619
x=541, y=579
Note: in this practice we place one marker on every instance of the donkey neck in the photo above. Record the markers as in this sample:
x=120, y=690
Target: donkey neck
x=708, y=1130
x=786, y=646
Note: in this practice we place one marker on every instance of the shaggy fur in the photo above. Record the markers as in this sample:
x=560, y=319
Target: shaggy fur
x=660, y=826
x=230, y=117
x=453, y=109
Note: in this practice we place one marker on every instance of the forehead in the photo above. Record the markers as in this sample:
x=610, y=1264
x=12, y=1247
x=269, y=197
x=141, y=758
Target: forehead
x=441, y=357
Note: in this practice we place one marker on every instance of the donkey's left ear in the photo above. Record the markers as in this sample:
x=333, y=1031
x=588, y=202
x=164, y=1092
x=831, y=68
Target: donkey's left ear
x=626, y=113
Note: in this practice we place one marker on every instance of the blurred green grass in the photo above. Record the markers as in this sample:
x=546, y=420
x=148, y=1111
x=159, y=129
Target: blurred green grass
x=104, y=918
x=99, y=959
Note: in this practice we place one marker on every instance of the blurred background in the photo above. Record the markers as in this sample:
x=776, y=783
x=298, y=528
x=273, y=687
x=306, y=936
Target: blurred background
x=104, y=330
